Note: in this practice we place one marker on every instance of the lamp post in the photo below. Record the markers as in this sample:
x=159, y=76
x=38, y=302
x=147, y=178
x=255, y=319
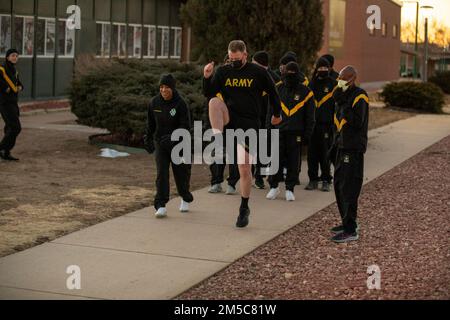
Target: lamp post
x=427, y=10
x=416, y=45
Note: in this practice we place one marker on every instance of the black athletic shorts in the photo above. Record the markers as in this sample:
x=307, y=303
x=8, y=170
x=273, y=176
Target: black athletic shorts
x=237, y=122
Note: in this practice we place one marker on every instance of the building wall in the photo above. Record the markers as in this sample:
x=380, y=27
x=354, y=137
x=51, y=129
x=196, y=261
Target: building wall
x=46, y=70
x=376, y=57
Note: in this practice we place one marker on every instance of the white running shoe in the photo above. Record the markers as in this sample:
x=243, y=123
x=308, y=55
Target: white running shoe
x=184, y=207
x=217, y=188
x=161, y=213
x=273, y=193
x=230, y=190
x=290, y=196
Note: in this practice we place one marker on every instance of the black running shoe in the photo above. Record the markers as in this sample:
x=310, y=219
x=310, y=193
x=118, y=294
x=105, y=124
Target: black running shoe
x=7, y=156
x=345, y=237
x=326, y=186
x=340, y=229
x=312, y=185
x=242, y=220
x=259, y=183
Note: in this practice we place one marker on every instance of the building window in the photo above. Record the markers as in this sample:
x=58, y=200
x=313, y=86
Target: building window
x=119, y=40
x=134, y=41
x=66, y=40
x=149, y=42
x=5, y=34
x=45, y=37
x=395, y=31
x=23, y=35
x=103, y=39
x=176, y=34
x=384, y=29
x=163, y=36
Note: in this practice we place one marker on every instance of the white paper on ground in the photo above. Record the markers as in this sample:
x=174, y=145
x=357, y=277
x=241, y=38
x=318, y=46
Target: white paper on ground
x=111, y=153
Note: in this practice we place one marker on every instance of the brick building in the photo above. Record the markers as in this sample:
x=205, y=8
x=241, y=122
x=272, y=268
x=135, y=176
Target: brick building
x=374, y=52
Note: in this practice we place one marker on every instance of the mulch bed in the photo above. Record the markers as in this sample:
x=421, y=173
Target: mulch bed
x=405, y=230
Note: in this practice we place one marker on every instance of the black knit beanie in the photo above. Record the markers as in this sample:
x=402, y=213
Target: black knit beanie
x=168, y=80
x=10, y=52
x=288, y=57
x=262, y=57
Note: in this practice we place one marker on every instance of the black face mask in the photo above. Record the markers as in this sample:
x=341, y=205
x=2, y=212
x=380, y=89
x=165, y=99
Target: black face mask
x=323, y=74
x=291, y=79
x=236, y=64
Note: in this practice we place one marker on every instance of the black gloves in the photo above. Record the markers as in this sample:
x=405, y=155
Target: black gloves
x=149, y=145
x=166, y=141
x=332, y=153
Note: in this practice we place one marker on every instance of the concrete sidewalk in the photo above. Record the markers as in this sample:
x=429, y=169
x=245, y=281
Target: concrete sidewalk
x=139, y=257
x=59, y=121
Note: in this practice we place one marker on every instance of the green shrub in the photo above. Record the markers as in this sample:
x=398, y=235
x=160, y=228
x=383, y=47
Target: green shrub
x=442, y=80
x=414, y=95
x=114, y=95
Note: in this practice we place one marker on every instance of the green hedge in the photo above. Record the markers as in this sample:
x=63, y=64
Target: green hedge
x=414, y=95
x=442, y=80
x=114, y=95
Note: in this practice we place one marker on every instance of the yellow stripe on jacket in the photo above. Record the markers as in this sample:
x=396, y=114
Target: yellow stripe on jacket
x=361, y=96
x=326, y=98
x=8, y=80
x=339, y=125
x=300, y=105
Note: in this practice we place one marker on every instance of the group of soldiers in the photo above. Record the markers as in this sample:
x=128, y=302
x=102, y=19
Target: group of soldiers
x=329, y=114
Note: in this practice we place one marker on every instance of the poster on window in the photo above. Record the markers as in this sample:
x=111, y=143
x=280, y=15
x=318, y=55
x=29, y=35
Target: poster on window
x=177, y=45
x=122, y=41
x=40, y=37
x=152, y=42
x=70, y=43
x=106, y=38
x=50, y=38
x=5, y=34
x=137, y=41
x=18, y=34
x=28, y=35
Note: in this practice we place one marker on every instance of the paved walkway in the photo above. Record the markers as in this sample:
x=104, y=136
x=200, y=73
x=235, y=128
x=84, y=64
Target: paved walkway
x=59, y=121
x=139, y=257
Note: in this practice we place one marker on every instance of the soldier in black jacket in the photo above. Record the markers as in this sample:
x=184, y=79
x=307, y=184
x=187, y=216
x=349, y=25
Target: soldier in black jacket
x=287, y=58
x=350, y=144
x=168, y=112
x=323, y=87
x=261, y=58
x=296, y=128
x=10, y=86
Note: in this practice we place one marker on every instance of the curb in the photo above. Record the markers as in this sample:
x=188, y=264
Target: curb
x=43, y=111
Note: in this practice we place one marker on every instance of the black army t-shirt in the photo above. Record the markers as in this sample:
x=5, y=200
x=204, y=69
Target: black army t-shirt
x=241, y=90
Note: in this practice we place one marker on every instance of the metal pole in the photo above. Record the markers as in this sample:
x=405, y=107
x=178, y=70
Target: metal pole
x=55, y=56
x=34, y=60
x=142, y=30
x=425, y=70
x=416, y=46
